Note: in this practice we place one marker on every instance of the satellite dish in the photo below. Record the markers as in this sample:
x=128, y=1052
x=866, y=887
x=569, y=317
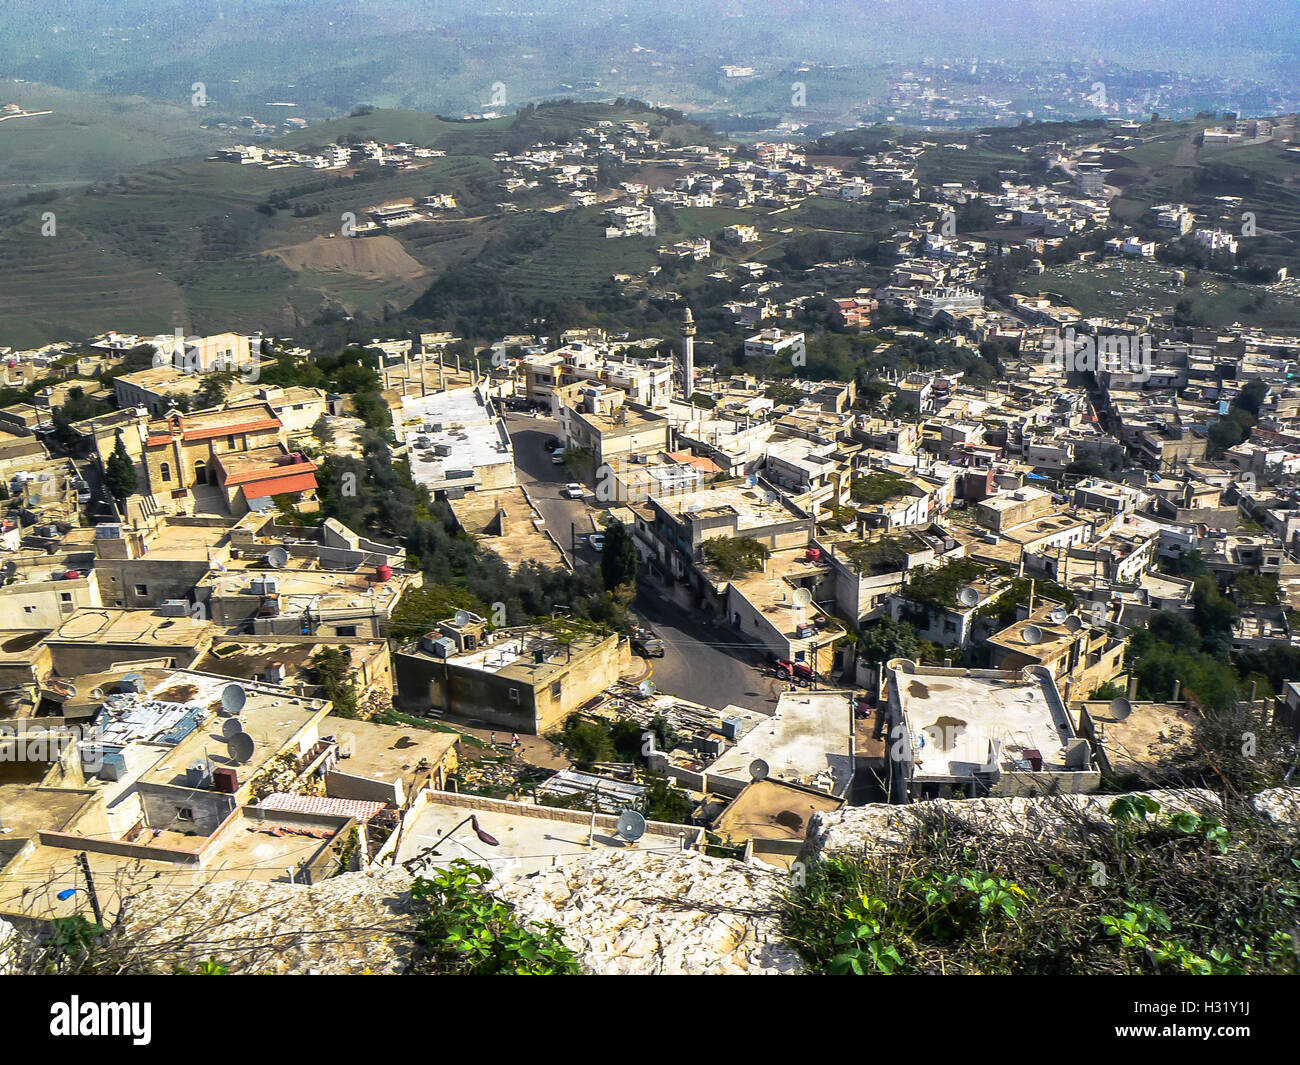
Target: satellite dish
x=1120, y=709
x=1073, y=623
x=1057, y=616
x=631, y=825
x=241, y=746
x=233, y=698
x=231, y=726
x=1033, y=634
x=968, y=596
x=277, y=558
x=801, y=598
x=646, y=688
x=462, y=618
x=759, y=769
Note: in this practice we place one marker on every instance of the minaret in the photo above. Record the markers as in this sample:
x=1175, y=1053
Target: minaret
x=688, y=355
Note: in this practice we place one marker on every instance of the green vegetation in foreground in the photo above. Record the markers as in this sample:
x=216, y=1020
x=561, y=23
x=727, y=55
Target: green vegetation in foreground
x=1141, y=890
x=463, y=929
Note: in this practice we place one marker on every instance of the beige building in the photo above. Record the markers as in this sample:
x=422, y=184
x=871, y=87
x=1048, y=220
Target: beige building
x=525, y=680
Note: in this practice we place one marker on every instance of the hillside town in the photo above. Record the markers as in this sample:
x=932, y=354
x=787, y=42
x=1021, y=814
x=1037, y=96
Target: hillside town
x=274, y=614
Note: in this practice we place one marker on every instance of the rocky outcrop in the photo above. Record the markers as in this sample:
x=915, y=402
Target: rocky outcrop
x=621, y=912
x=661, y=913
x=880, y=827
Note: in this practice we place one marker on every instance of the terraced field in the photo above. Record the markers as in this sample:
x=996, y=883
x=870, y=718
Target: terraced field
x=195, y=242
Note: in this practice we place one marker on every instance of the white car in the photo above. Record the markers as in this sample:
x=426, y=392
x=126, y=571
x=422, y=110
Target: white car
x=572, y=491
x=597, y=541
x=557, y=458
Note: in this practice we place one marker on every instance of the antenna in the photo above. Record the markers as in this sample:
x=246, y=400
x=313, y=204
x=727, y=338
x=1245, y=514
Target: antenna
x=1073, y=623
x=1120, y=709
x=241, y=746
x=968, y=595
x=631, y=825
x=462, y=618
x=1057, y=616
x=277, y=558
x=801, y=598
x=231, y=726
x=1033, y=634
x=646, y=688
x=758, y=770
x=233, y=698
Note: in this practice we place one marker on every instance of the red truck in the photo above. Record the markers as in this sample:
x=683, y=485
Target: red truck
x=800, y=671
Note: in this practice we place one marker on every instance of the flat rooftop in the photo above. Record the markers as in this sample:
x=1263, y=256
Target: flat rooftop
x=531, y=838
x=301, y=587
x=392, y=752
x=189, y=543
x=523, y=541
x=808, y=740
x=104, y=625
x=954, y=715
x=1145, y=741
x=754, y=506
x=772, y=809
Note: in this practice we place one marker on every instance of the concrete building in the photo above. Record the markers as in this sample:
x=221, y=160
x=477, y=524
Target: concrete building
x=770, y=343
x=981, y=732
x=808, y=741
x=523, y=680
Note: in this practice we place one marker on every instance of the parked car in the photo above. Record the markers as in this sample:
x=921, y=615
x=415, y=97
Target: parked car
x=646, y=643
x=597, y=541
x=572, y=491
x=552, y=443
x=557, y=458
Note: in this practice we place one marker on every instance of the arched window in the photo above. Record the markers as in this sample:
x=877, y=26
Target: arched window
x=166, y=471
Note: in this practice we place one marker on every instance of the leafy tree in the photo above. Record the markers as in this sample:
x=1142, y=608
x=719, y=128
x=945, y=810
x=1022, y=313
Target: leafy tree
x=119, y=473
x=1258, y=588
x=463, y=929
x=734, y=556
x=619, y=558
x=667, y=803
x=887, y=639
x=332, y=667
x=1174, y=629
x=1213, y=616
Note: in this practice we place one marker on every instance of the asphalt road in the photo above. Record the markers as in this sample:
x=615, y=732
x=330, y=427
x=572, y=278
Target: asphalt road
x=699, y=663
x=702, y=665
x=544, y=481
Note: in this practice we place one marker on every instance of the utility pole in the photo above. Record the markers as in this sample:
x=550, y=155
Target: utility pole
x=90, y=888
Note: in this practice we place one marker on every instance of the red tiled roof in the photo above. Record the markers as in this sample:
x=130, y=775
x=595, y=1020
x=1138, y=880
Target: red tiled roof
x=704, y=465
x=260, y=484
x=317, y=804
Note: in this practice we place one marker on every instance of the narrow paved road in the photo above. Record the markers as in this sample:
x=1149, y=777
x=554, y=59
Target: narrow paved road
x=566, y=519
x=702, y=665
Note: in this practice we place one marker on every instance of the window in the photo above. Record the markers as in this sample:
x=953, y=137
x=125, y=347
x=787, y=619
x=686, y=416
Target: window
x=347, y=630
x=166, y=470
x=142, y=589
x=514, y=695
x=556, y=688
x=29, y=610
x=184, y=813
x=65, y=597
